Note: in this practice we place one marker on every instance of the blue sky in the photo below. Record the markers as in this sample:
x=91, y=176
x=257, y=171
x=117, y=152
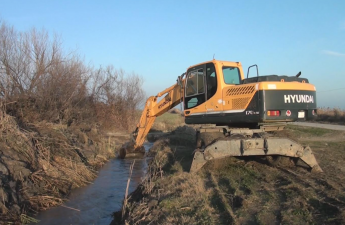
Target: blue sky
x=160, y=39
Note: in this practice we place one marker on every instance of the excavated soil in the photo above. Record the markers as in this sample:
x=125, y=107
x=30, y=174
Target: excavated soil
x=241, y=190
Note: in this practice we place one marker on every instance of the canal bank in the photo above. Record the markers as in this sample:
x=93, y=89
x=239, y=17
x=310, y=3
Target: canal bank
x=241, y=190
x=95, y=203
x=42, y=162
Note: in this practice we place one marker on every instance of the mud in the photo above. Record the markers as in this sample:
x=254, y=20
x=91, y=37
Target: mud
x=242, y=190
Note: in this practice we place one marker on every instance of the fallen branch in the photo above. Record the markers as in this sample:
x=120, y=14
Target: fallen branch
x=70, y=208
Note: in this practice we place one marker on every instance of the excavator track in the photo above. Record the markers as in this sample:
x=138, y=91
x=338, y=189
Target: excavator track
x=249, y=142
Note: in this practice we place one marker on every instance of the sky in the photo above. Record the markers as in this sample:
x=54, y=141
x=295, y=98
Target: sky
x=159, y=40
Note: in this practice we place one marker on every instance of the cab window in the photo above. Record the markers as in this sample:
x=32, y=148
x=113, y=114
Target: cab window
x=231, y=75
x=195, y=88
x=195, y=83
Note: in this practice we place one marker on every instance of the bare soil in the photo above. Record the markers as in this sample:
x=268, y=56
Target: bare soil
x=241, y=190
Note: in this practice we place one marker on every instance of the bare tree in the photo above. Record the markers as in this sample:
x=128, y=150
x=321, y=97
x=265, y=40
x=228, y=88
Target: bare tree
x=51, y=85
x=25, y=58
x=118, y=93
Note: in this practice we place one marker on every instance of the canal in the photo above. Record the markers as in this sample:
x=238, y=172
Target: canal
x=95, y=203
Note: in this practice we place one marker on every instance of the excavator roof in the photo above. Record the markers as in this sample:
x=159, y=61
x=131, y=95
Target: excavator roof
x=214, y=61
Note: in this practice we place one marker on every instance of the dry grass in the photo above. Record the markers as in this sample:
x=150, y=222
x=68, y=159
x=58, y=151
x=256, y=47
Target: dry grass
x=126, y=194
x=241, y=191
x=168, y=122
x=166, y=200
x=333, y=115
x=40, y=164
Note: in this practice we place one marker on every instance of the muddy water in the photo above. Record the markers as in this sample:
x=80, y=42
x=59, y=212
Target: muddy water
x=96, y=202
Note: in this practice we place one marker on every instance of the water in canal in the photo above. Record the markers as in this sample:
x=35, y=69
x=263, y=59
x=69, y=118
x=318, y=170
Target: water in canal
x=99, y=200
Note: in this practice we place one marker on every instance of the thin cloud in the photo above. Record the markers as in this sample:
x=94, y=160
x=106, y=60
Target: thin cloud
x=332, y=53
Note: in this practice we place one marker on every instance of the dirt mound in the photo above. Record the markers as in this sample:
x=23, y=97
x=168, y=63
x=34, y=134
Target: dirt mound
x=242, y=190
x=175, y=111
x=42, y=162
x=181, y=135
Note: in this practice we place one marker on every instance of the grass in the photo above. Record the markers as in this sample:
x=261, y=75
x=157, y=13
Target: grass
x=243, y=191
x=309, y=131
x=332, y=115
x=168, y=121
x=25, y=219
x=43, y=162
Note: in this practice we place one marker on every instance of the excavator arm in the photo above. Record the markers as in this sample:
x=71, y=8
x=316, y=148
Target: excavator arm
x=153, y=109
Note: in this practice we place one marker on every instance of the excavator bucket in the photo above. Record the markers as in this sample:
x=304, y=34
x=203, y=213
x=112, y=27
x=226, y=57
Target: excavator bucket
x=129, y=150
x=273, y=146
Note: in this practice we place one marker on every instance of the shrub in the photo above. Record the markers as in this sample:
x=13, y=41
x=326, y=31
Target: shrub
x=38, y=81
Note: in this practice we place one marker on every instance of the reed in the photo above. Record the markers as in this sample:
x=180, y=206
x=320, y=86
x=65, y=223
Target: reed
x=332, y=115
x=125, y=201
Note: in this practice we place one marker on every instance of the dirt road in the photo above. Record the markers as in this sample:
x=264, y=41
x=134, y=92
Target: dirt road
x=320, y=125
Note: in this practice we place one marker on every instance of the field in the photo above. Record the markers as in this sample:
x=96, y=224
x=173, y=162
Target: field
x=169, y=121
x=331, y=115
x=241, y=191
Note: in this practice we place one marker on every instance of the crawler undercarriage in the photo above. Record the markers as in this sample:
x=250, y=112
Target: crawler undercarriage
x=221, y=141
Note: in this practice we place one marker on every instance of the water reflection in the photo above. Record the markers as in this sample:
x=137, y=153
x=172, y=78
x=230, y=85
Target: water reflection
x=99, y=200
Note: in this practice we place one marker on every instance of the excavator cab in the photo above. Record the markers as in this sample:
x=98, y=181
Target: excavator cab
x=221, y=95
x=207, y=104
x=201, y=90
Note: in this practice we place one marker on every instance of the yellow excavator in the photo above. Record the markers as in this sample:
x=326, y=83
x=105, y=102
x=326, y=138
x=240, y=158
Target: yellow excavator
x=244, y=110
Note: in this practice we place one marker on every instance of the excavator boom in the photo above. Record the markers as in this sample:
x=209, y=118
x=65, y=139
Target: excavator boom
x=153, y=108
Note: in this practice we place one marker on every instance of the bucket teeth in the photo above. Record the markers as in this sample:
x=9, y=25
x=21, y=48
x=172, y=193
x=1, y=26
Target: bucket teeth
x=309, y=158
x=198, y=161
